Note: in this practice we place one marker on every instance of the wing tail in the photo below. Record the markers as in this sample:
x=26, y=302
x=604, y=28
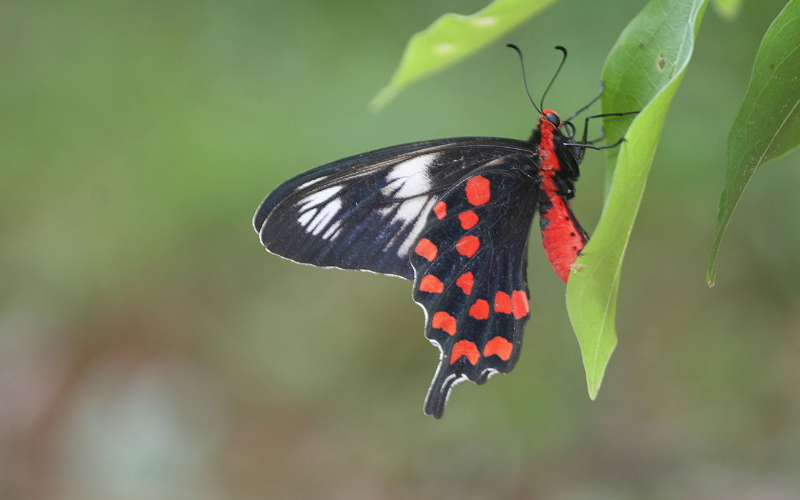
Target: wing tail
x=442, y=384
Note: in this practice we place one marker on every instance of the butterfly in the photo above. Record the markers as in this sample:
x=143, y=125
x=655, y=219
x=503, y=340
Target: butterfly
x=454, y=216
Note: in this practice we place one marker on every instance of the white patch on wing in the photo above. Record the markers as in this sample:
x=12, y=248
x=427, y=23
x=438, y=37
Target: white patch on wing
x=326, y=213
x=409, y=178
x=304, y=219
x=422, y=214
x=462, y=378
x=318, y=197
x=312, y=181
x=333, y=231
x=410, y=210
x=318, y=209
x=456, y=379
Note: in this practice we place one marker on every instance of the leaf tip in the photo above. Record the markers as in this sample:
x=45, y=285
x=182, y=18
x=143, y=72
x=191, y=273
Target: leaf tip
x=711, y=272
x=596, y=371
x=594, y=381
x=711, y=275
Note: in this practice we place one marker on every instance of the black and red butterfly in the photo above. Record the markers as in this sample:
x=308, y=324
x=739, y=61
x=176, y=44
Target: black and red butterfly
x=454, y=216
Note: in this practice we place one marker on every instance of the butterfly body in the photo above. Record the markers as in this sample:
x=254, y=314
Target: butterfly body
x=453, y=215
x=562, y=236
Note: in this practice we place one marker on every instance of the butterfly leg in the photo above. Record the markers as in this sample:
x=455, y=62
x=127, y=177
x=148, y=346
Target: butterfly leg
x=605, y=115
x=602, y=136
x=578, y=148
x=602, y=90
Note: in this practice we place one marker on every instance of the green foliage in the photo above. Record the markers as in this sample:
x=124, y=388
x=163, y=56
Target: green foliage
x=727, y=9
x=768, y=123
x=143, y=324
x=643, y=72
x=453, y=37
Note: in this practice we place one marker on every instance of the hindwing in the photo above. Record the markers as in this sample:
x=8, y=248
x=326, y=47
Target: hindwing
x=470, y=273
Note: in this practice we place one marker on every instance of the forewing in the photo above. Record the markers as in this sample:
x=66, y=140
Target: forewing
x=367, y=211
x=470, y=273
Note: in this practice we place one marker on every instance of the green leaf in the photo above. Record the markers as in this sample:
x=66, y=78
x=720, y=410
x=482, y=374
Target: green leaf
x=768, y=123
x=727, y=9
x=453, y=37
x=642, y=72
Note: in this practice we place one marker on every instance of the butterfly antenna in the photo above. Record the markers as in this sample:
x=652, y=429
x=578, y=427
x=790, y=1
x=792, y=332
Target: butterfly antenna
x=563, y=59
x=524, y=79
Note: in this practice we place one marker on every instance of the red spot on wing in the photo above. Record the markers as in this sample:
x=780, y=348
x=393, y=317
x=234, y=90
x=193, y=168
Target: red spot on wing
x=465, y=348
x=440, y=210
x=430, y=283
x=468, y=219
x=478, y=190
x=443, y=321
x=426, y=249
x=519, y=303
x=480, y=309
x=502, y=303
x=468, y=245
x=500, y=347
x=465, y=282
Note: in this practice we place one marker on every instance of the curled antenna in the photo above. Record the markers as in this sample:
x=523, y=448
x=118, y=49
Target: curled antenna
x=563, y=59
x=524, y=79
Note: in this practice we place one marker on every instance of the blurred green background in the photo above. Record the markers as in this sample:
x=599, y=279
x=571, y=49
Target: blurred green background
x=150, y=348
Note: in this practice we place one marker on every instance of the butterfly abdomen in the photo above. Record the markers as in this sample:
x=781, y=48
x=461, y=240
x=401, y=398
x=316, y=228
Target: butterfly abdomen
x=562, y=237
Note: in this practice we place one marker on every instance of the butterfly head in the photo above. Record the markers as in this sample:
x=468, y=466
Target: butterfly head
x=549, y=119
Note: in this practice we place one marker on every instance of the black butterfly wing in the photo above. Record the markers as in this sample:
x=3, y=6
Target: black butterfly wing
x=470, y=273
x=367, y=211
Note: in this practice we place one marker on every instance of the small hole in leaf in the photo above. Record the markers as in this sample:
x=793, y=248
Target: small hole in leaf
x=661, y=62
